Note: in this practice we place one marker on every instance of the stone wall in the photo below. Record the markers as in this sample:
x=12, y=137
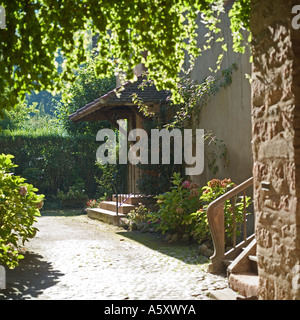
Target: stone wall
x=276, y=154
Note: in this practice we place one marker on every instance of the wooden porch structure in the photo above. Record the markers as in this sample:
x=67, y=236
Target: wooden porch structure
x=116, y=105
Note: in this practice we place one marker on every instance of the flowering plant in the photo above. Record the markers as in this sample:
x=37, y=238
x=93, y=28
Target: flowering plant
x=92, y=203
x=19, y=207
x=213, y=190
x=95, y=203
x=139, y=218
x=176, y=207
x=185, y=184
x=184, y=208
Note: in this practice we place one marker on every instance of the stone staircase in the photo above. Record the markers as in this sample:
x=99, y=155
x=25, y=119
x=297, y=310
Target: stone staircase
x=113, y=211
x=240, y=262
x=242, y=276
x=242, y=272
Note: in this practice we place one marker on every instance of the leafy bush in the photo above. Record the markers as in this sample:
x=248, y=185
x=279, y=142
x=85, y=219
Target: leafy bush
x=213, y=190
x=16, y=118
x=75, y=192
x=53, y=162
x=86, y=88
x=19, y=207
x=139, y=217
x=105, y=180
x=184, y=209
x=176, y=207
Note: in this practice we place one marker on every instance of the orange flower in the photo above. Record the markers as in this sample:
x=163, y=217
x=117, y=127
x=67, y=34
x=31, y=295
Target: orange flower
x=214, y=183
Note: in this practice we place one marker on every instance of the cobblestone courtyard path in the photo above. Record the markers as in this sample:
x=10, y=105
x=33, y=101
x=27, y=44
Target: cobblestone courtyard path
x=74, y=257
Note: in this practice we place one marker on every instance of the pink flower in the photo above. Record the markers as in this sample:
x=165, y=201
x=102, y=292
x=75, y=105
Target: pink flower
x=40, y=204
x=186, y=184
x=23, y=191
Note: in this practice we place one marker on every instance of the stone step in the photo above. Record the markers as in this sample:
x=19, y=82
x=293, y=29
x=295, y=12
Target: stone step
x=250, y=257
x=246, y=284
x=133, y=199
x=104, y=215
x=112, y=206
x=225, y=294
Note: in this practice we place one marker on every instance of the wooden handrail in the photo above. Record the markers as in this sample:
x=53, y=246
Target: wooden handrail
x=228, y=195
x=215, y=215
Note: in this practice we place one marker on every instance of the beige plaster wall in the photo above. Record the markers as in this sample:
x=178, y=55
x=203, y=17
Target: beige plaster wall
x=228, y=114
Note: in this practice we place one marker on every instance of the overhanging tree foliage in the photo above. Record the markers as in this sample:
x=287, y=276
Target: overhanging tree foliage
x=85, y=88
x=166, y=29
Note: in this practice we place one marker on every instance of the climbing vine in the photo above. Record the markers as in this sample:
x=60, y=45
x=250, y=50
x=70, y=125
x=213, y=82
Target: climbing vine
x=196, y=96
x=187, y=114
x=193, y=96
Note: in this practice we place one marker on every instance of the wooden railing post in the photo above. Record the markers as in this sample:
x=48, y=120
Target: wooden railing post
x=215, y=215
x=217, y=228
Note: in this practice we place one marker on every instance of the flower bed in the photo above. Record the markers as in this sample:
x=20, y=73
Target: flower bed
x=182, y=210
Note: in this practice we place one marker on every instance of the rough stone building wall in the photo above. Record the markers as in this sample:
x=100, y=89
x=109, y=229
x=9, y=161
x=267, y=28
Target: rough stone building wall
x=275, y=144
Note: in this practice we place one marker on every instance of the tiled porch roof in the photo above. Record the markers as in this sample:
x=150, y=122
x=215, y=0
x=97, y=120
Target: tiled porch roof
x=148, y=94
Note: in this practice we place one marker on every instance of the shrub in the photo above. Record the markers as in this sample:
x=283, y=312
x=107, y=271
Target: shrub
x=213, y=190
x=75, y=192
x=105, y=181
x=139, y=216
x=53, y=162
x=176, y=207
x=184, y=209
x=19, y=207
x=93, y=203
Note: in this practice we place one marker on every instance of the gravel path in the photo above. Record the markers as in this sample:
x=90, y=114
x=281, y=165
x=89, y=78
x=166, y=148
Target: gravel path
x=74, y=257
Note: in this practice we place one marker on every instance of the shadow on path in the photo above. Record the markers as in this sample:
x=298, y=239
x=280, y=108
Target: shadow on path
x=30, y=278
x=187, y=253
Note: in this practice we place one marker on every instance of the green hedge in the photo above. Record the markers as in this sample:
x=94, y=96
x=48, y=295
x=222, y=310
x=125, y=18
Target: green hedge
x=54, y=162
